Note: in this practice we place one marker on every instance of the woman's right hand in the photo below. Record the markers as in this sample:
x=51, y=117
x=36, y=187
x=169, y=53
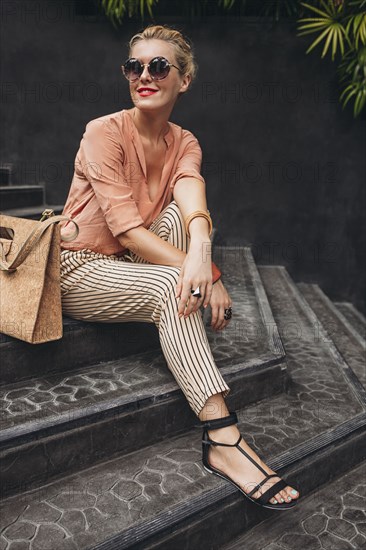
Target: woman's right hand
x=219, y=301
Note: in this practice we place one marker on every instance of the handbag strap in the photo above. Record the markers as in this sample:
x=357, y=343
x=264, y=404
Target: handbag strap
x=32, y=240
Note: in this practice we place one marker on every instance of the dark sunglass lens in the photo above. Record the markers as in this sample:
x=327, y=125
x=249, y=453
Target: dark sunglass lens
x=159, y=68
x=132, y=69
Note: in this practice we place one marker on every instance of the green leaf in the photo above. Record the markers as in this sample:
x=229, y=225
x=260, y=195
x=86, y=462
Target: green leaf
x=317, y=40
x=359, y=103
x=341, y=42
x=314, y=26
x=362, y=105
x=351, y=94
x=334, y=44
x=330, y=7
x=311, y=19
x=327, y=42
x=313, y=8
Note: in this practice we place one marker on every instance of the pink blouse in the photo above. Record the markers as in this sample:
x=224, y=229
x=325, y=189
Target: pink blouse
x=109, y=191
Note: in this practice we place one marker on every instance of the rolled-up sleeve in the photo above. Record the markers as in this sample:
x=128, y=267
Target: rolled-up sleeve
x=189, y=163
x=102, y=164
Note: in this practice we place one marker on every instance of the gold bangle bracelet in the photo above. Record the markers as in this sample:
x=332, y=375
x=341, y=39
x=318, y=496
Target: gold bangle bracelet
x=196, y=214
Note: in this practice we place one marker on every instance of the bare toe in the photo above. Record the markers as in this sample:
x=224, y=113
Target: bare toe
x=283, y=495
x=288, y=496
x=292, y=492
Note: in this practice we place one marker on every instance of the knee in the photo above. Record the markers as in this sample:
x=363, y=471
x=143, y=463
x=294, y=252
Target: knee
x=172, y=275
x=169, y=279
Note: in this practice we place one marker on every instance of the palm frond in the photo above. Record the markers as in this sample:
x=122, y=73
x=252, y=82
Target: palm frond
x=334, y=32
x=116, y=10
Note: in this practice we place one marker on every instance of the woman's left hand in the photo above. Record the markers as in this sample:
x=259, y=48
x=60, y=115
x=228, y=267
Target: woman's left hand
x=194, y=272
x=220, y=300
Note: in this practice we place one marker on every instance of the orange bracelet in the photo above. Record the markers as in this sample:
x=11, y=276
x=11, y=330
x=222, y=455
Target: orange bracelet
x=216, y=273
x=199, y=213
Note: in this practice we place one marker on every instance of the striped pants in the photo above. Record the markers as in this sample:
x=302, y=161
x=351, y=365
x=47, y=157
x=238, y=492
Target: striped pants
x=111, y=289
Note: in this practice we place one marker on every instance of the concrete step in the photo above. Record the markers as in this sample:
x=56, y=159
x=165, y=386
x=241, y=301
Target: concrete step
x=78, y=408
x=333, y=517
x=19, y=196
x=354, y=316
x=33, y=212
x=348, y=341
x=60, y=424
x=82, y=344
x=161, y=497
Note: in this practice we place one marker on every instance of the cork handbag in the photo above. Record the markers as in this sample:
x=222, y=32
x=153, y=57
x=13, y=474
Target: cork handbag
x=30, y=291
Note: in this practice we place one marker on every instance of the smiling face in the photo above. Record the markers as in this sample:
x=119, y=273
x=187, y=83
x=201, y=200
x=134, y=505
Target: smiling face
x=163, y=93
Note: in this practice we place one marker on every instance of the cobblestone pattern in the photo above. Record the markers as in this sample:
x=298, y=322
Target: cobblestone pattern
x=245, y=339
x=354, y=316
x=333, y=518
x=352, y=351
x=86, y=508
x=319, y=396
x=246, y=336
x=47, y=396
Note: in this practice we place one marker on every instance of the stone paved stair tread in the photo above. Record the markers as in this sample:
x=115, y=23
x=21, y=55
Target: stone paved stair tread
x=349, y=342
x=123, y=493
x=110, y=497
x=306, y=342
x=252, y=332
x=354, y=316
x=67, y=393
x=82, y=344
x=40, y=402
x=333, y=517
x=38, y=451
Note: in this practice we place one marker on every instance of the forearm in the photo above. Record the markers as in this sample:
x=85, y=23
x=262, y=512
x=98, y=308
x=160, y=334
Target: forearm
x=190, y=195
x=151, y=247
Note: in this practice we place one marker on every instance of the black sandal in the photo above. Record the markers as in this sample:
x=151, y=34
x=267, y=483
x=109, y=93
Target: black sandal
x=263, y=500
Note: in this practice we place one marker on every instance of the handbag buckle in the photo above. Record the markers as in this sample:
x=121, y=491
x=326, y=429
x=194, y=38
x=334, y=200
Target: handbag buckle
x=47, y=213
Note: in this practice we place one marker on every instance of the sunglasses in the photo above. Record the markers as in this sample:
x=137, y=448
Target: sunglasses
x=158, y=68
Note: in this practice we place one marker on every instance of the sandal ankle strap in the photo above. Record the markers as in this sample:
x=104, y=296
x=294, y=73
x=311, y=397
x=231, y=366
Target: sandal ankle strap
x=220, y=422
x=211, y=442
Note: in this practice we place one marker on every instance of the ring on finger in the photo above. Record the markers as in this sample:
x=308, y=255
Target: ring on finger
x=196, y=293
x=227, y=313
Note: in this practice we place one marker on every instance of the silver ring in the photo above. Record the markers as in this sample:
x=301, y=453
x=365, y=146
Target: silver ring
x=196, y=293
x=227, y=313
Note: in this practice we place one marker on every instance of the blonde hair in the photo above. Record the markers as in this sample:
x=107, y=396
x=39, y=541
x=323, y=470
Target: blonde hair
x=183, y=48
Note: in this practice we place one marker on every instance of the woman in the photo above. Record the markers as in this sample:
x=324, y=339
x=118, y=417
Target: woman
x=143, y=251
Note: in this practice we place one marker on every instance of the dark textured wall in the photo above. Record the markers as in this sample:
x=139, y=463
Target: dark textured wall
x=284, y=165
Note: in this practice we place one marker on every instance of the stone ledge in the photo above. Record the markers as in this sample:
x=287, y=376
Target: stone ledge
x=330, y=517
x=348, y=341
x=138, y=394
